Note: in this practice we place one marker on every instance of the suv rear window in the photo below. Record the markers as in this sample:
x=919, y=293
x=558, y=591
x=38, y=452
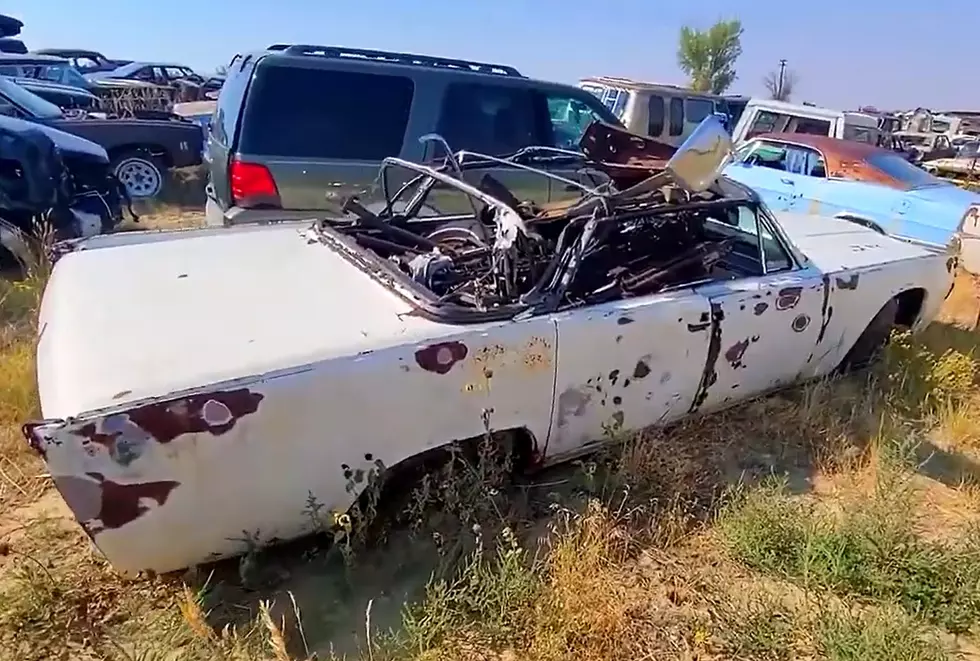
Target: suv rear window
x=313, y=113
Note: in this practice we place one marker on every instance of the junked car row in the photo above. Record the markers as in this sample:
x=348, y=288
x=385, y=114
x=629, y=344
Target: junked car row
x=500, y=245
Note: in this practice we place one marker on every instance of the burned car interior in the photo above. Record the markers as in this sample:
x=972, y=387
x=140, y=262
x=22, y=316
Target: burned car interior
x=679, y=227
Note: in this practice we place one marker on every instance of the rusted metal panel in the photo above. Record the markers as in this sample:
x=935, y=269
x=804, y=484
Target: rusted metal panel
x=628, y=158
x=765, y=335
x=627, y=365
x=166, y=483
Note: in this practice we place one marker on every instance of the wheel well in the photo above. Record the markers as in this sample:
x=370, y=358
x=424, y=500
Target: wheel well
x=910, y=304
x=157, y=151
x=399, y=479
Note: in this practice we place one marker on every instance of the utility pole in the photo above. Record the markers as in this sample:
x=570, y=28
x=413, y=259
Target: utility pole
x=779, y=87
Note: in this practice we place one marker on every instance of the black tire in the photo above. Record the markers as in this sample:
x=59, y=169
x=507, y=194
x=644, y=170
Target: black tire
x=868, y=347
x=140, y=172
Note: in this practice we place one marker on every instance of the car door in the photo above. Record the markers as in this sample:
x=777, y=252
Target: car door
x=772, y=321
x=626, y=365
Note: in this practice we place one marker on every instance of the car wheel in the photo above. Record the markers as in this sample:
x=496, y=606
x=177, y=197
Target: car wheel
x=868, y=347
x=139, y=172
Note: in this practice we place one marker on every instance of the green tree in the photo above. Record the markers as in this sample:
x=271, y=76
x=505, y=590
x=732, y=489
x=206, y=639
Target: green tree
x=708, y=56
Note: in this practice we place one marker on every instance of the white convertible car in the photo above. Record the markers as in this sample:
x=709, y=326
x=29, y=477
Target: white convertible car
x=199, y=386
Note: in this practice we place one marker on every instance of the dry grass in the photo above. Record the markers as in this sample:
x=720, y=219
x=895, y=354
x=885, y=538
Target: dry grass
x=837, y=521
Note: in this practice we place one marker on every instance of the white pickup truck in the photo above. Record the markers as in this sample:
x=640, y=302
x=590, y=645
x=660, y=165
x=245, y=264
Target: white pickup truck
x=766, y=116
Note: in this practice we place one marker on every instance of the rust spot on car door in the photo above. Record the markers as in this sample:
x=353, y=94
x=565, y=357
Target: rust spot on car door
x=788, y=297
x=850, y=283
x=440, y=357
x=735, y=353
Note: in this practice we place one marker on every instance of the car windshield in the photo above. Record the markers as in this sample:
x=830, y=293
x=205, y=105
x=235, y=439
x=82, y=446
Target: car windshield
x=911, y=176
x=915, y=139
x=56, y=72
x=28, y=101
x=60, y=73
x=969, y=150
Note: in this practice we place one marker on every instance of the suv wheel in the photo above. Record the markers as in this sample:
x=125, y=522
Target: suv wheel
x=139, y=172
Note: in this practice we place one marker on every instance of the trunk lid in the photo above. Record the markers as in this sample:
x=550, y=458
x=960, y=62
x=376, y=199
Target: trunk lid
x=137, y=315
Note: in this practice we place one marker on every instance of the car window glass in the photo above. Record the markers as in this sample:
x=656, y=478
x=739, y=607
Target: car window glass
x=742, y=153
x=7, y=108
x=676, y=116
x=657, y=115
x=146, y=73
x=808, y=125
x=490, y=119
x=863, y=134
x=747, y=226
x=788, y=158
x=174, y=72
x=84, y=63
x=331, y=114
x=900, y=169
x=228, y=107
x=695, y=110
x=569, y=118
x=766, y=121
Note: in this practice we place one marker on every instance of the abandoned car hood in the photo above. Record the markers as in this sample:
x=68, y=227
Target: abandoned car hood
x=136, y=315
x=833, y=244
x=68, y=143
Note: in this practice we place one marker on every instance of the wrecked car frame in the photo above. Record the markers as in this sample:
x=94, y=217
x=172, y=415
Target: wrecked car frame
x=623, y=309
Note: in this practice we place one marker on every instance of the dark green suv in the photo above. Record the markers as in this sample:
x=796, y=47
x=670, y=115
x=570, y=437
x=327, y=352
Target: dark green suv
x=298, y=127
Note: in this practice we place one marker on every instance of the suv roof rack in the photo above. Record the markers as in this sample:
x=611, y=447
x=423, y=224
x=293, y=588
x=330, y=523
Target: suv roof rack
x=396, y=58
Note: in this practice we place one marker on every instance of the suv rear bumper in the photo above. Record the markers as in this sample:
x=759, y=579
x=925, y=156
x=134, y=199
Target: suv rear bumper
x=215, y=217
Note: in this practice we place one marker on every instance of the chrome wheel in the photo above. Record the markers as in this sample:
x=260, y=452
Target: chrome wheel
x=140, y=176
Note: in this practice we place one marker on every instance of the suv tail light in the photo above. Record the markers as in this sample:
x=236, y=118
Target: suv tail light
x=252, y=185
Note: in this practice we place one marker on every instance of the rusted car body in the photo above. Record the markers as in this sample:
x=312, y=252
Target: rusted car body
x=845, y=179
x=284, y=363
x=964, y=165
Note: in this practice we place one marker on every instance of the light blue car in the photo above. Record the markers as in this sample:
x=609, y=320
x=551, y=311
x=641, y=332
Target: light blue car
x=875, y=187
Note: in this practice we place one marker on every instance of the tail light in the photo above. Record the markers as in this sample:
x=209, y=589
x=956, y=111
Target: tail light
x=252, y=185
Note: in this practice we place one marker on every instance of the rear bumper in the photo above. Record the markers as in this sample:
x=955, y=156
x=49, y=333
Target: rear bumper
x=214, y=216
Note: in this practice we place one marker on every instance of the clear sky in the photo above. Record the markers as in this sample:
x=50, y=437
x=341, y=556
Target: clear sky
x=888, y=53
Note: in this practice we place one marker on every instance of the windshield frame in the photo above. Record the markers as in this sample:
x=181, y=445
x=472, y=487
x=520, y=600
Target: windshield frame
x=27, y=101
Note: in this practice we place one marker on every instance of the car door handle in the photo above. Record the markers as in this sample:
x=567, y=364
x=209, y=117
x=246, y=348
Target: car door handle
x=788, y=182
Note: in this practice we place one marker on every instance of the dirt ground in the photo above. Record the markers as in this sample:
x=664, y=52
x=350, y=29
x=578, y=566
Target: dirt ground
x=840, y=520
